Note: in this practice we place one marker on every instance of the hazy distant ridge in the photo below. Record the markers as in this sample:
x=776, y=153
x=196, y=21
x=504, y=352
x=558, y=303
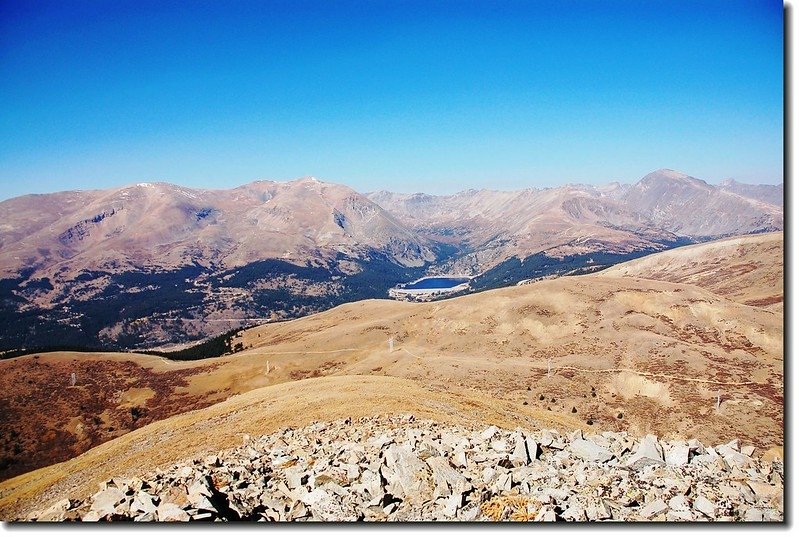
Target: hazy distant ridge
x=157, y=263
x=661, y=207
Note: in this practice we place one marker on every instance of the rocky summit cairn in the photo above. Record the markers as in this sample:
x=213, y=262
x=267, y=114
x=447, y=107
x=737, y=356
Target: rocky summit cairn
x=406, y=469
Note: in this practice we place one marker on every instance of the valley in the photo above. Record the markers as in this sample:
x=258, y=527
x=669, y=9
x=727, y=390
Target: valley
x=156, y=265
x=684, y=351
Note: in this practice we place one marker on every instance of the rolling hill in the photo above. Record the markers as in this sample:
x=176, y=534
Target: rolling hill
x=748, y=269
x=596, y=351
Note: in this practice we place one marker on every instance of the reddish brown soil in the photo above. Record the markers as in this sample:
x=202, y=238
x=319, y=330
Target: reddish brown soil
x=41, y=412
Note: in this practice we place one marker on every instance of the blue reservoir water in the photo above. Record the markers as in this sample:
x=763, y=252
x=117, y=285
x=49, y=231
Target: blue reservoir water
x=436, y=283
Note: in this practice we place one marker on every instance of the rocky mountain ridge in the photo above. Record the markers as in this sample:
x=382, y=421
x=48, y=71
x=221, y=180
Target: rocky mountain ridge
x=656, y=211
x=772, y=194
x=155, y=264
x=403, y=469
x=163, y=226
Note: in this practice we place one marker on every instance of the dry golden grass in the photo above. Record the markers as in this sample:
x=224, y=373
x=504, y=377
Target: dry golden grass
x=626, y=353
x=295, y=404
x=514, y=507
x=654, y=352
x=746, y=269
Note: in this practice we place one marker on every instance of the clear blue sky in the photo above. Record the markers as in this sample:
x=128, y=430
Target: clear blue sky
x=406, y=96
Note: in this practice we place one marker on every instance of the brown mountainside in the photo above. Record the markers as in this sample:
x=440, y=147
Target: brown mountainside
x=689, y=206
x=746, y=269
x=595, y=351
x=166, y=226
x=772, y=194
x=576, y=219
x=157, y=264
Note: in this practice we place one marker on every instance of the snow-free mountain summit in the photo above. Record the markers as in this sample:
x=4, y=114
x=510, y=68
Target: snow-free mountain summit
x=155, y=263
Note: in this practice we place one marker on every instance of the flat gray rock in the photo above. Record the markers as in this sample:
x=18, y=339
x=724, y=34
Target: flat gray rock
x=575, y=512
x=450, y=505
x=677, y=454
x=753, y=515
x=489, y=432
x=198, y=488
x=653, y=508
x=323, y=506
x=504, y=482
x=371, y=483
x=106, y=501
x=648, y=453
x=734, y=458
x=598, y=511
x=91, y=516
x=459, y=458
x=589, y=451
x=143, y=502
x=705, y=506
x=170, y=512
x=679, y=503
x=547, y=514
x=405, y=473
x=532, y=447
x=500, y=446
x=447, y=480
x=679, y=516
x=519, y=456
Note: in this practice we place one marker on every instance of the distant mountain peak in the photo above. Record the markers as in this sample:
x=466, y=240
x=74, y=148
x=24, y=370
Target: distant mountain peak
x=668, y=172
x=152, y=184
x=666, y=175
x=306, y=179
x=771, y=194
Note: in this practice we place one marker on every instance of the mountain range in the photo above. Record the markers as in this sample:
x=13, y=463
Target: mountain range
x=662, y=208
x=158, y=264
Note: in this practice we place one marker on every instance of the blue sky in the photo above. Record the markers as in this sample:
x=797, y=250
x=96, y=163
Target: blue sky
x=404, y=95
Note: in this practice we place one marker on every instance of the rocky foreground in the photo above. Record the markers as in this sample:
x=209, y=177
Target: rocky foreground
x=405, y=469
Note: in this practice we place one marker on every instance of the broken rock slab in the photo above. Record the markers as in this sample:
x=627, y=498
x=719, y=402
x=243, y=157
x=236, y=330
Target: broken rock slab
x=677, y=454
x=143, y=503
x=519, y=456
x=107, y=501
x=705, y=506
x=447, y=479
x=648, y=453
x=431, y=471
x=653, y=508
x=589, y=451
x=170, y=512
x=405, y=473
